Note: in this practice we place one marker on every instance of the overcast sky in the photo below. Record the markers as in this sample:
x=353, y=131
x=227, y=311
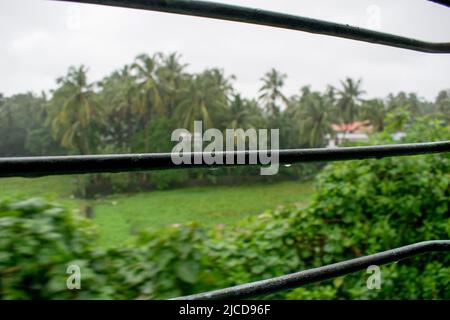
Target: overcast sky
x=40, y=39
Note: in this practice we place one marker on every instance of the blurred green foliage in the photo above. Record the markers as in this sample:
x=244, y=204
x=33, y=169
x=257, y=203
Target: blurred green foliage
x=38, y=241
x=360, y=207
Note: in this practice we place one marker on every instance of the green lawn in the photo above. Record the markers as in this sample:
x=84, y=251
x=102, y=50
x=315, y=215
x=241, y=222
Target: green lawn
x=119, y=216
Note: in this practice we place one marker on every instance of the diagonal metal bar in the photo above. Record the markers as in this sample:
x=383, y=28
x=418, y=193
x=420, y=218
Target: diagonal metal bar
x=59, y=165
x=209, y=9
x=322, y=273
x=442, y=2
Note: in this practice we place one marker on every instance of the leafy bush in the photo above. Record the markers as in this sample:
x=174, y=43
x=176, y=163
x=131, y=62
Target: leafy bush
x=38, y=241
x=373, y=205
x=360, y=207
x=272, y=244
x=160, y=264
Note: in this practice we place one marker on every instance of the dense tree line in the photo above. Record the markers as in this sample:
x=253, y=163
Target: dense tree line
x=135, y=109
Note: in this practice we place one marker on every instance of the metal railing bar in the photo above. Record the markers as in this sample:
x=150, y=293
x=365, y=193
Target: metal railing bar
x=442, y=2
x=60, y=165
x=319, y=274
x=208, y=9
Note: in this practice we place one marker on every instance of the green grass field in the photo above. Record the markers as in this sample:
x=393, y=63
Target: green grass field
x=119, y=216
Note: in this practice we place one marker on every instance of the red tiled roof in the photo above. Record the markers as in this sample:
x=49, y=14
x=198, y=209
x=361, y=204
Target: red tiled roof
x=357, y=126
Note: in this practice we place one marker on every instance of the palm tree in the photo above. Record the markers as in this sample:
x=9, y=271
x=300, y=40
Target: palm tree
x=119, y=92
x=415, y=106
x=442, y=104
x=203, y=97
x=5, y=110
x=330, y=93
x=374, y=110
x=407, y=102
x=270, y=92
x=76, y=112
x=222, y=82
x=149, y=102
x=349, y=99
x=76, y=115
x=171, y=76
x=313, y=116
x=241, y=114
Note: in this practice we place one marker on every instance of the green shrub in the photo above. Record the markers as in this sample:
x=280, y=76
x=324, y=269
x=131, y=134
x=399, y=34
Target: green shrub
x=38, y=241
x=272, y=244
x=161, y=264
x=360, y=207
